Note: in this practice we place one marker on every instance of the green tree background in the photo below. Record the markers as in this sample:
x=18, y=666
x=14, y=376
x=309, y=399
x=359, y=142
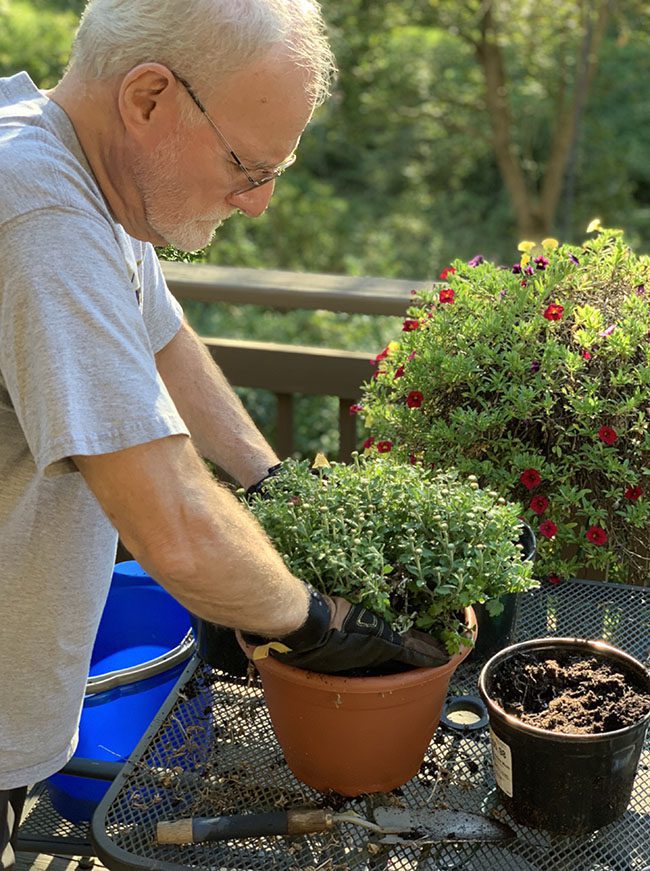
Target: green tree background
x=454, y=129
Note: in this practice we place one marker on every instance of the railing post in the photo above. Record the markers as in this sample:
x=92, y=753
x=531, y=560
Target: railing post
x=284, y=445
x=347, y=431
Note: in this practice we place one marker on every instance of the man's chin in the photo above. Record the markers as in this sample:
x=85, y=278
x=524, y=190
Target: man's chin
x=197, y=241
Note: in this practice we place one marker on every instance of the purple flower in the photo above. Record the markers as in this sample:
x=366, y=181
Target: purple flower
x=503, y=293
x=475, y=261
x=574, y=259
x=608, y=332
x=529, y=270
x=516, y=268
x=535, y=366
x=640, y=289
x=542, y=262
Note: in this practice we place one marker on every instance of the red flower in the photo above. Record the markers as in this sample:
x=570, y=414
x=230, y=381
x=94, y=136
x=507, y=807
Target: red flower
x=355, y=409
x=596, y=535
x=381, y=356
x=530, y=478
x=399, y=372
x=548, y=529
x=384, y=447
x=414, y=399
x=412, y=356
x=586, y=355
x=633, y=493
x=539, y=504
x=553, y=312
x=554, y=579
x=447, y=295
x=445, y=272
x=607, y=434
x=409, y=325
x=369, y=442
x=413, y=459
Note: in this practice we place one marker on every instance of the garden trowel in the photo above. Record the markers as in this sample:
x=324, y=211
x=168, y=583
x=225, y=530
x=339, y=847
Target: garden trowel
x=397, y=825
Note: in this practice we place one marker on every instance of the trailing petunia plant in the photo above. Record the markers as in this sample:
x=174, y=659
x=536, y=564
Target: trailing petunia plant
x=534, y=377
x=414, y=546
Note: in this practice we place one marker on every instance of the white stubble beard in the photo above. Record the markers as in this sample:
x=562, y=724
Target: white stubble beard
x=163, y=200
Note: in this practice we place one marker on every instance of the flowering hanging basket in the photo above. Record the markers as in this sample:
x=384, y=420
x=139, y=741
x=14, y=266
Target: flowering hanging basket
x=535, y=377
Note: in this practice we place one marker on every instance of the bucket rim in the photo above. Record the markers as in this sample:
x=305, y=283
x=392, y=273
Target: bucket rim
x=581, y=645
x=110, y=680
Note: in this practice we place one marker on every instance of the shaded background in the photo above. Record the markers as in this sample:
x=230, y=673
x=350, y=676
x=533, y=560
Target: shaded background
x=455, y=129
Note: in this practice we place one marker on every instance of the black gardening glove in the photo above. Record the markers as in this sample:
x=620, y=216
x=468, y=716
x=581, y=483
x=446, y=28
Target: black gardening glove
x=257, y=489
x=338, y=636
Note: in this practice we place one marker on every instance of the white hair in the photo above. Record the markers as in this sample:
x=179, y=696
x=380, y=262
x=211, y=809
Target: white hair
x=202, y=40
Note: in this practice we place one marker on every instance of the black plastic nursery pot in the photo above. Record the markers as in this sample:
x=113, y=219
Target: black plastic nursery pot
x=564, y=782
x=495, y=633
x=217, y=646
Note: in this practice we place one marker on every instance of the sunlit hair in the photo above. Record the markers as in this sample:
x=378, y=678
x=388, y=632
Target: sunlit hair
x=203, y=40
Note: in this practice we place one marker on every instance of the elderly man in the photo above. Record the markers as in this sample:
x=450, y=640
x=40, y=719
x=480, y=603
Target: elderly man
x=171, y=116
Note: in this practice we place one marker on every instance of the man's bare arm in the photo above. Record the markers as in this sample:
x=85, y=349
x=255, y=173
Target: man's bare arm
x=221, y=428
x=194, y=537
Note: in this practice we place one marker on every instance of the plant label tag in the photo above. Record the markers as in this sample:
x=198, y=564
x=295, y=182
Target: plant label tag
x=502, y=763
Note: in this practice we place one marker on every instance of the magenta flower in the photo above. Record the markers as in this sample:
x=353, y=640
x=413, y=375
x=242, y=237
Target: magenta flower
x=530, y=478
x=607, y=434
x=548, y=529
x=596, y=535
x=415, y=399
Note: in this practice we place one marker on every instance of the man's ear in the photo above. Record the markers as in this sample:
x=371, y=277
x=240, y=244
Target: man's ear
x=147, y=96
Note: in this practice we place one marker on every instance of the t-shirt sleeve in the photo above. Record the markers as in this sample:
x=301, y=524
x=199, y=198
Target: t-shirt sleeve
x=162, y=313
x=75, y=352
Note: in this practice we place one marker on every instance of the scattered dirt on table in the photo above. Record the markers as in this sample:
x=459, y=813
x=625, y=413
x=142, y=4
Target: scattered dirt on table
x=569, y=693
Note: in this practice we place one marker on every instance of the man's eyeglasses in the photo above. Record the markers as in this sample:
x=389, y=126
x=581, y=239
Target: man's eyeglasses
x=270, y=174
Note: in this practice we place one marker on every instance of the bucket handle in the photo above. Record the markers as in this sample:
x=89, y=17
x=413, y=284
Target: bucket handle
x=99, y=683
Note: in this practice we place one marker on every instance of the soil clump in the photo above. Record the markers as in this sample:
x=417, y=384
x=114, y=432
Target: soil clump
x=570, y=694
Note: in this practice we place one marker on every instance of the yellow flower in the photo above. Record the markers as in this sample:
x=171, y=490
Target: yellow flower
x=392, y=347
x=550, y=244
x=525, y=246
x=594, y=225
x=525, y=260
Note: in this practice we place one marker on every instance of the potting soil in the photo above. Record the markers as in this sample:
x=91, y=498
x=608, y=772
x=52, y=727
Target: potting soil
x=570, y=694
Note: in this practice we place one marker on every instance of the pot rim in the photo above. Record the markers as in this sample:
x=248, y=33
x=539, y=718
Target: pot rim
x=376, y=683
x=581, y=645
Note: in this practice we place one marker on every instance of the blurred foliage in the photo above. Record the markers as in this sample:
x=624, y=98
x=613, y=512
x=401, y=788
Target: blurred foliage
x=398, y=173
x=36, y=37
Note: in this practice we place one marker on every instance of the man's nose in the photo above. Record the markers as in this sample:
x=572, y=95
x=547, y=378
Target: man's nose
x=253, y=202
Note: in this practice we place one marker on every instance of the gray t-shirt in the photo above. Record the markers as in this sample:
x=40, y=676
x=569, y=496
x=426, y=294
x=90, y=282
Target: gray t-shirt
x=83, y=309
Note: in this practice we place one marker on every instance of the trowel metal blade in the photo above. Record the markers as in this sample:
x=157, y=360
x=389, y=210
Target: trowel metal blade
x=440, y=825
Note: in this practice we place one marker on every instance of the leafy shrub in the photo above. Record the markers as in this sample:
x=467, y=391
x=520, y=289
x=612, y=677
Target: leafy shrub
x=536, y=379
x=413, y=546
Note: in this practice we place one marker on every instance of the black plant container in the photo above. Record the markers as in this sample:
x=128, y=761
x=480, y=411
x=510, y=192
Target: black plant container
x=218, y=647
x=564, y=783
x=495, y=633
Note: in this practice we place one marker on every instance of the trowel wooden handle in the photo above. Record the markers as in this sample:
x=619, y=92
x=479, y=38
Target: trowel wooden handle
x=194, y=830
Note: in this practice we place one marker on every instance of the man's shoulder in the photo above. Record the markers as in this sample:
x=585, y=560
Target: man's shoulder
x=38, y=166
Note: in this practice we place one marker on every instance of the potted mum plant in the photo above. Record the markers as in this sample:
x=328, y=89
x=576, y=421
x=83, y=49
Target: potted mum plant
x=535, y=377
x=418, y=549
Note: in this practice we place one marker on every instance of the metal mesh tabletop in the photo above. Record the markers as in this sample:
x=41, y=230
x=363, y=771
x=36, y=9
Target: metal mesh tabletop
x=212, y=751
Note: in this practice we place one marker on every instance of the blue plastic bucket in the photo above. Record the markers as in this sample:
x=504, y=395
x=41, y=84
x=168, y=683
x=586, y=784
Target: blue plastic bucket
x=142, y=645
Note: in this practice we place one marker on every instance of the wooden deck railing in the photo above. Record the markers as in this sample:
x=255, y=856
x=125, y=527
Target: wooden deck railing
x=290, y=370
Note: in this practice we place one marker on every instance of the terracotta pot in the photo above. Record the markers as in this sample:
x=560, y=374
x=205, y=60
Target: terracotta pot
x=355, y=735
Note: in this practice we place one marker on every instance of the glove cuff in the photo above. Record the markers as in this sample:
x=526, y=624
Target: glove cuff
x=312, y=631
x=270, y=472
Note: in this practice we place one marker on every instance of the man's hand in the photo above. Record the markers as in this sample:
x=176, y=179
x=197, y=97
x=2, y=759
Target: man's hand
x=339, y=636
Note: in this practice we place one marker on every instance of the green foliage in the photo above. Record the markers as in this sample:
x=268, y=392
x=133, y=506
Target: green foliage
x=35, y=38
x=414, y=547
x=537, y=380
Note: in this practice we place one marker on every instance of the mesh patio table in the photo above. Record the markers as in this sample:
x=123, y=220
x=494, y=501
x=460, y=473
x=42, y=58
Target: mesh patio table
x=211, y=751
